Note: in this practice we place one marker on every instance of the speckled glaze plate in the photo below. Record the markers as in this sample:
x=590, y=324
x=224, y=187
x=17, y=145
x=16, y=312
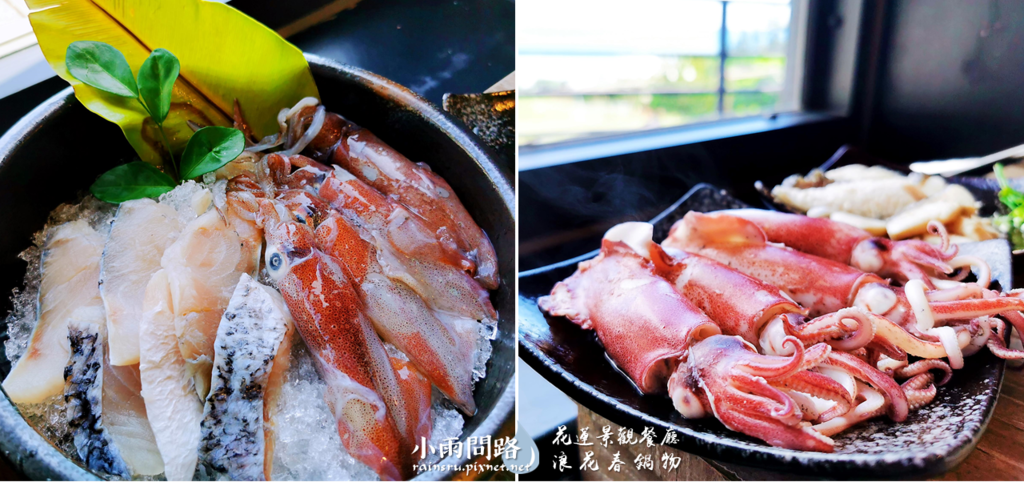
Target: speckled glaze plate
x=932, y=440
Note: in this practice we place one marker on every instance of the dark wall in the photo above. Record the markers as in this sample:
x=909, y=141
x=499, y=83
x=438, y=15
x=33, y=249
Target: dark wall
x=950, y=80
x=564, y=210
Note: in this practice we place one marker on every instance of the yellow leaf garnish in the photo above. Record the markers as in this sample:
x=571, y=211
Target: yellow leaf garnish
x=224, y=54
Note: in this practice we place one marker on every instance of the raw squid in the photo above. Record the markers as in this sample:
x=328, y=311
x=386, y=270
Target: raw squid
x=70, y=276
x=141, y=231
x=426, y=194
x=252, y=340
x=169, y=392
x=376, y=422
x=104, y=407
x=401, y=317
x=406, y=249
x=203, y=266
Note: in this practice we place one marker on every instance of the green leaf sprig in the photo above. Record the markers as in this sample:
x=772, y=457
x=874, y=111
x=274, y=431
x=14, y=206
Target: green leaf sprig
x=1011, y=223
x=101, y=66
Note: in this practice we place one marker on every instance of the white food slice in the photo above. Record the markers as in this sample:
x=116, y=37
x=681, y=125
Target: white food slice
x=172, y=404
x=860, y=172
x=70, y=280
x=877, y=199
x=874, y=226
x=913, y=222
x=202, y=270
x=141, y=231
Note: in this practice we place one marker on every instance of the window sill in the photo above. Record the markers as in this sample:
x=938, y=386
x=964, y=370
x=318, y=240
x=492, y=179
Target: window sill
x=531, y=157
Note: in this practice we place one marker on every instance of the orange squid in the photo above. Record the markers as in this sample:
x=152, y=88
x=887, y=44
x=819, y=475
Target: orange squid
x=380, y=409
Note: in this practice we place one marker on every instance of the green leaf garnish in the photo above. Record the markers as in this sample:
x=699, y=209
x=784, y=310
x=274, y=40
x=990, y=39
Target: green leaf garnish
x=156, y=82
x=209, y=149
x=134, y=180
x=99, y=65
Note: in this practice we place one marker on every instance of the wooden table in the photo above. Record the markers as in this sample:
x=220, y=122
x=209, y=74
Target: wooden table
x=998, y=456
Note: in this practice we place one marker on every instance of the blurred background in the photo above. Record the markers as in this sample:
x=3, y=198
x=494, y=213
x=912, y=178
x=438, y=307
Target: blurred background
x=592, y=68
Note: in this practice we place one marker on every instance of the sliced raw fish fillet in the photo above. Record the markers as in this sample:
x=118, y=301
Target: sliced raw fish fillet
x=104, y=406
x=174, y=409
x=250, y=336
x=70, y=280
x=203, y=266
x=141, y=231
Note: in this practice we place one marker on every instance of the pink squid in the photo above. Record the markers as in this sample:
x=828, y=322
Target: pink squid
x=663, y=342
x=907, y=317
x=424, y=193
x=840, y=242
x=380, y=413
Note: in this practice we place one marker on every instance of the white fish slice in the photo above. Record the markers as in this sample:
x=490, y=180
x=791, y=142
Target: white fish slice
x=141, y=231
x=172, y=405
x=104, y=407
x=70, y=280
x=252, y=332
x=202, y=270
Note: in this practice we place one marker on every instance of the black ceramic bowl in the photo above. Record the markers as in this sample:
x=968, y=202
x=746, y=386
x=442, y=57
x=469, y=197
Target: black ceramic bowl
x=56, y=151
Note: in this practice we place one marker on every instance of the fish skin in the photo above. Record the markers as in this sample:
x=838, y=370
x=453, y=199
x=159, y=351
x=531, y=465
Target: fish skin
x=70, y=268
x=203, y=267
x=83, y=396
x=141, y=231
x=250, y=336
x=174, y=409
x=105, y=410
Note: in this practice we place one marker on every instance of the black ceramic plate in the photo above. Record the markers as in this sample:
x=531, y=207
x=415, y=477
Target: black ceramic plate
x=932, y=440
x=56, y=151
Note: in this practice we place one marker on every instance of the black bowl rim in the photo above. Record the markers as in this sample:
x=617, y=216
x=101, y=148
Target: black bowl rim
x=40, y=457
x=704, y=444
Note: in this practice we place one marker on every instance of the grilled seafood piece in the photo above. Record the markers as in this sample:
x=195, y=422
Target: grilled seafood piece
x=900, y=260
x=761, y=314
x=907, y=318
x=726, y=376
x=375, y=422
x=341, y=142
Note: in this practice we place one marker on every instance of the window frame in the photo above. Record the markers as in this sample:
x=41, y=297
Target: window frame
x=838, y=41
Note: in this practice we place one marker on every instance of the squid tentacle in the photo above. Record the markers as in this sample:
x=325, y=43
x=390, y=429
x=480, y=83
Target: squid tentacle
x=821, y=386
x=899, y=408
x=774, y=367
x=764, y=399
x=921, y=367
x=920, y=390
x=997, y=345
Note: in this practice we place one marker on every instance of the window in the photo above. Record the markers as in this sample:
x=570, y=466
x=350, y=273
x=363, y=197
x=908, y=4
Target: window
x=590, y=68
